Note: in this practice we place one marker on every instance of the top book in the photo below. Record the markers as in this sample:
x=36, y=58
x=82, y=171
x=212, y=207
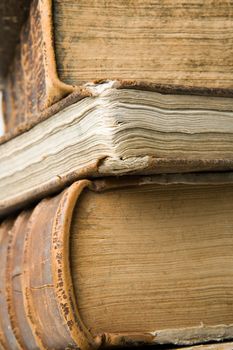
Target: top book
x=65, y=44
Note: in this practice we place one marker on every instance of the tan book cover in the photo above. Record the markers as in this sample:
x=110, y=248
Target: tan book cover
x=120, y=262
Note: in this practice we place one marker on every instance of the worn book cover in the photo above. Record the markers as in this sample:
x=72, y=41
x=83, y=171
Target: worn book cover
x=119, y=262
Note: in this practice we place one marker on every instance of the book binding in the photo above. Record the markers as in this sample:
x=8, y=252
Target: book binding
x=37, y=303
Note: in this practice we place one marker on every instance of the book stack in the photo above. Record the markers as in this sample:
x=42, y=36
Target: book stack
x=116, y=182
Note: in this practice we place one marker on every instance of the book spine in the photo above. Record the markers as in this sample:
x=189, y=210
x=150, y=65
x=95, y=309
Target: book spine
x=32, y=83
x=14, y=289
x=7, y=338
x=37, y=304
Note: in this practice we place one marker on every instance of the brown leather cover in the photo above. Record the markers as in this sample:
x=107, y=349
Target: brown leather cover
x=7, y=337
x=37, y=305
x=32, y=83
x=12, y=14
x=14, y=271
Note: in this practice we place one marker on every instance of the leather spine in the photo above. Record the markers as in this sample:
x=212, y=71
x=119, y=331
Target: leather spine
x=7, y=337
x=37, y=303
x=48, y=296
x=32, y=83
x=14, y=277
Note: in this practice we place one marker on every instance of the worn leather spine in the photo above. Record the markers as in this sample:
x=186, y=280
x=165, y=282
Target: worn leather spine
x=37, y=304
x=47, y=281
x=12, y=15
x=7, y=336
x=32, y=83
x=14, y=278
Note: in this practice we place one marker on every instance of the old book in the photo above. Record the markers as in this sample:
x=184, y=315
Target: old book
x=115, y=262
x=115, y=130
x=65, y=44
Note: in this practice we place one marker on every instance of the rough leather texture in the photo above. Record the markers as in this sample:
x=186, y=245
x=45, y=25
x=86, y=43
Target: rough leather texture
x=14, y=288
x=12, y=14
x=32, y=83
x=37, y=304
x=7, y=337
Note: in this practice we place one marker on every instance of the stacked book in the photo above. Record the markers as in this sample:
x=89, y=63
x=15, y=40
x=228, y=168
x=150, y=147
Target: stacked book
x=116, y=182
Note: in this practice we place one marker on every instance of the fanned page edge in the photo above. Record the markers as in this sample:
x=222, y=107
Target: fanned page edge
x=94, y=88
x=100, y=166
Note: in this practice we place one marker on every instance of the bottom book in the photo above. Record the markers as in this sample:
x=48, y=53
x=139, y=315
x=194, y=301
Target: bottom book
x=141, y=260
